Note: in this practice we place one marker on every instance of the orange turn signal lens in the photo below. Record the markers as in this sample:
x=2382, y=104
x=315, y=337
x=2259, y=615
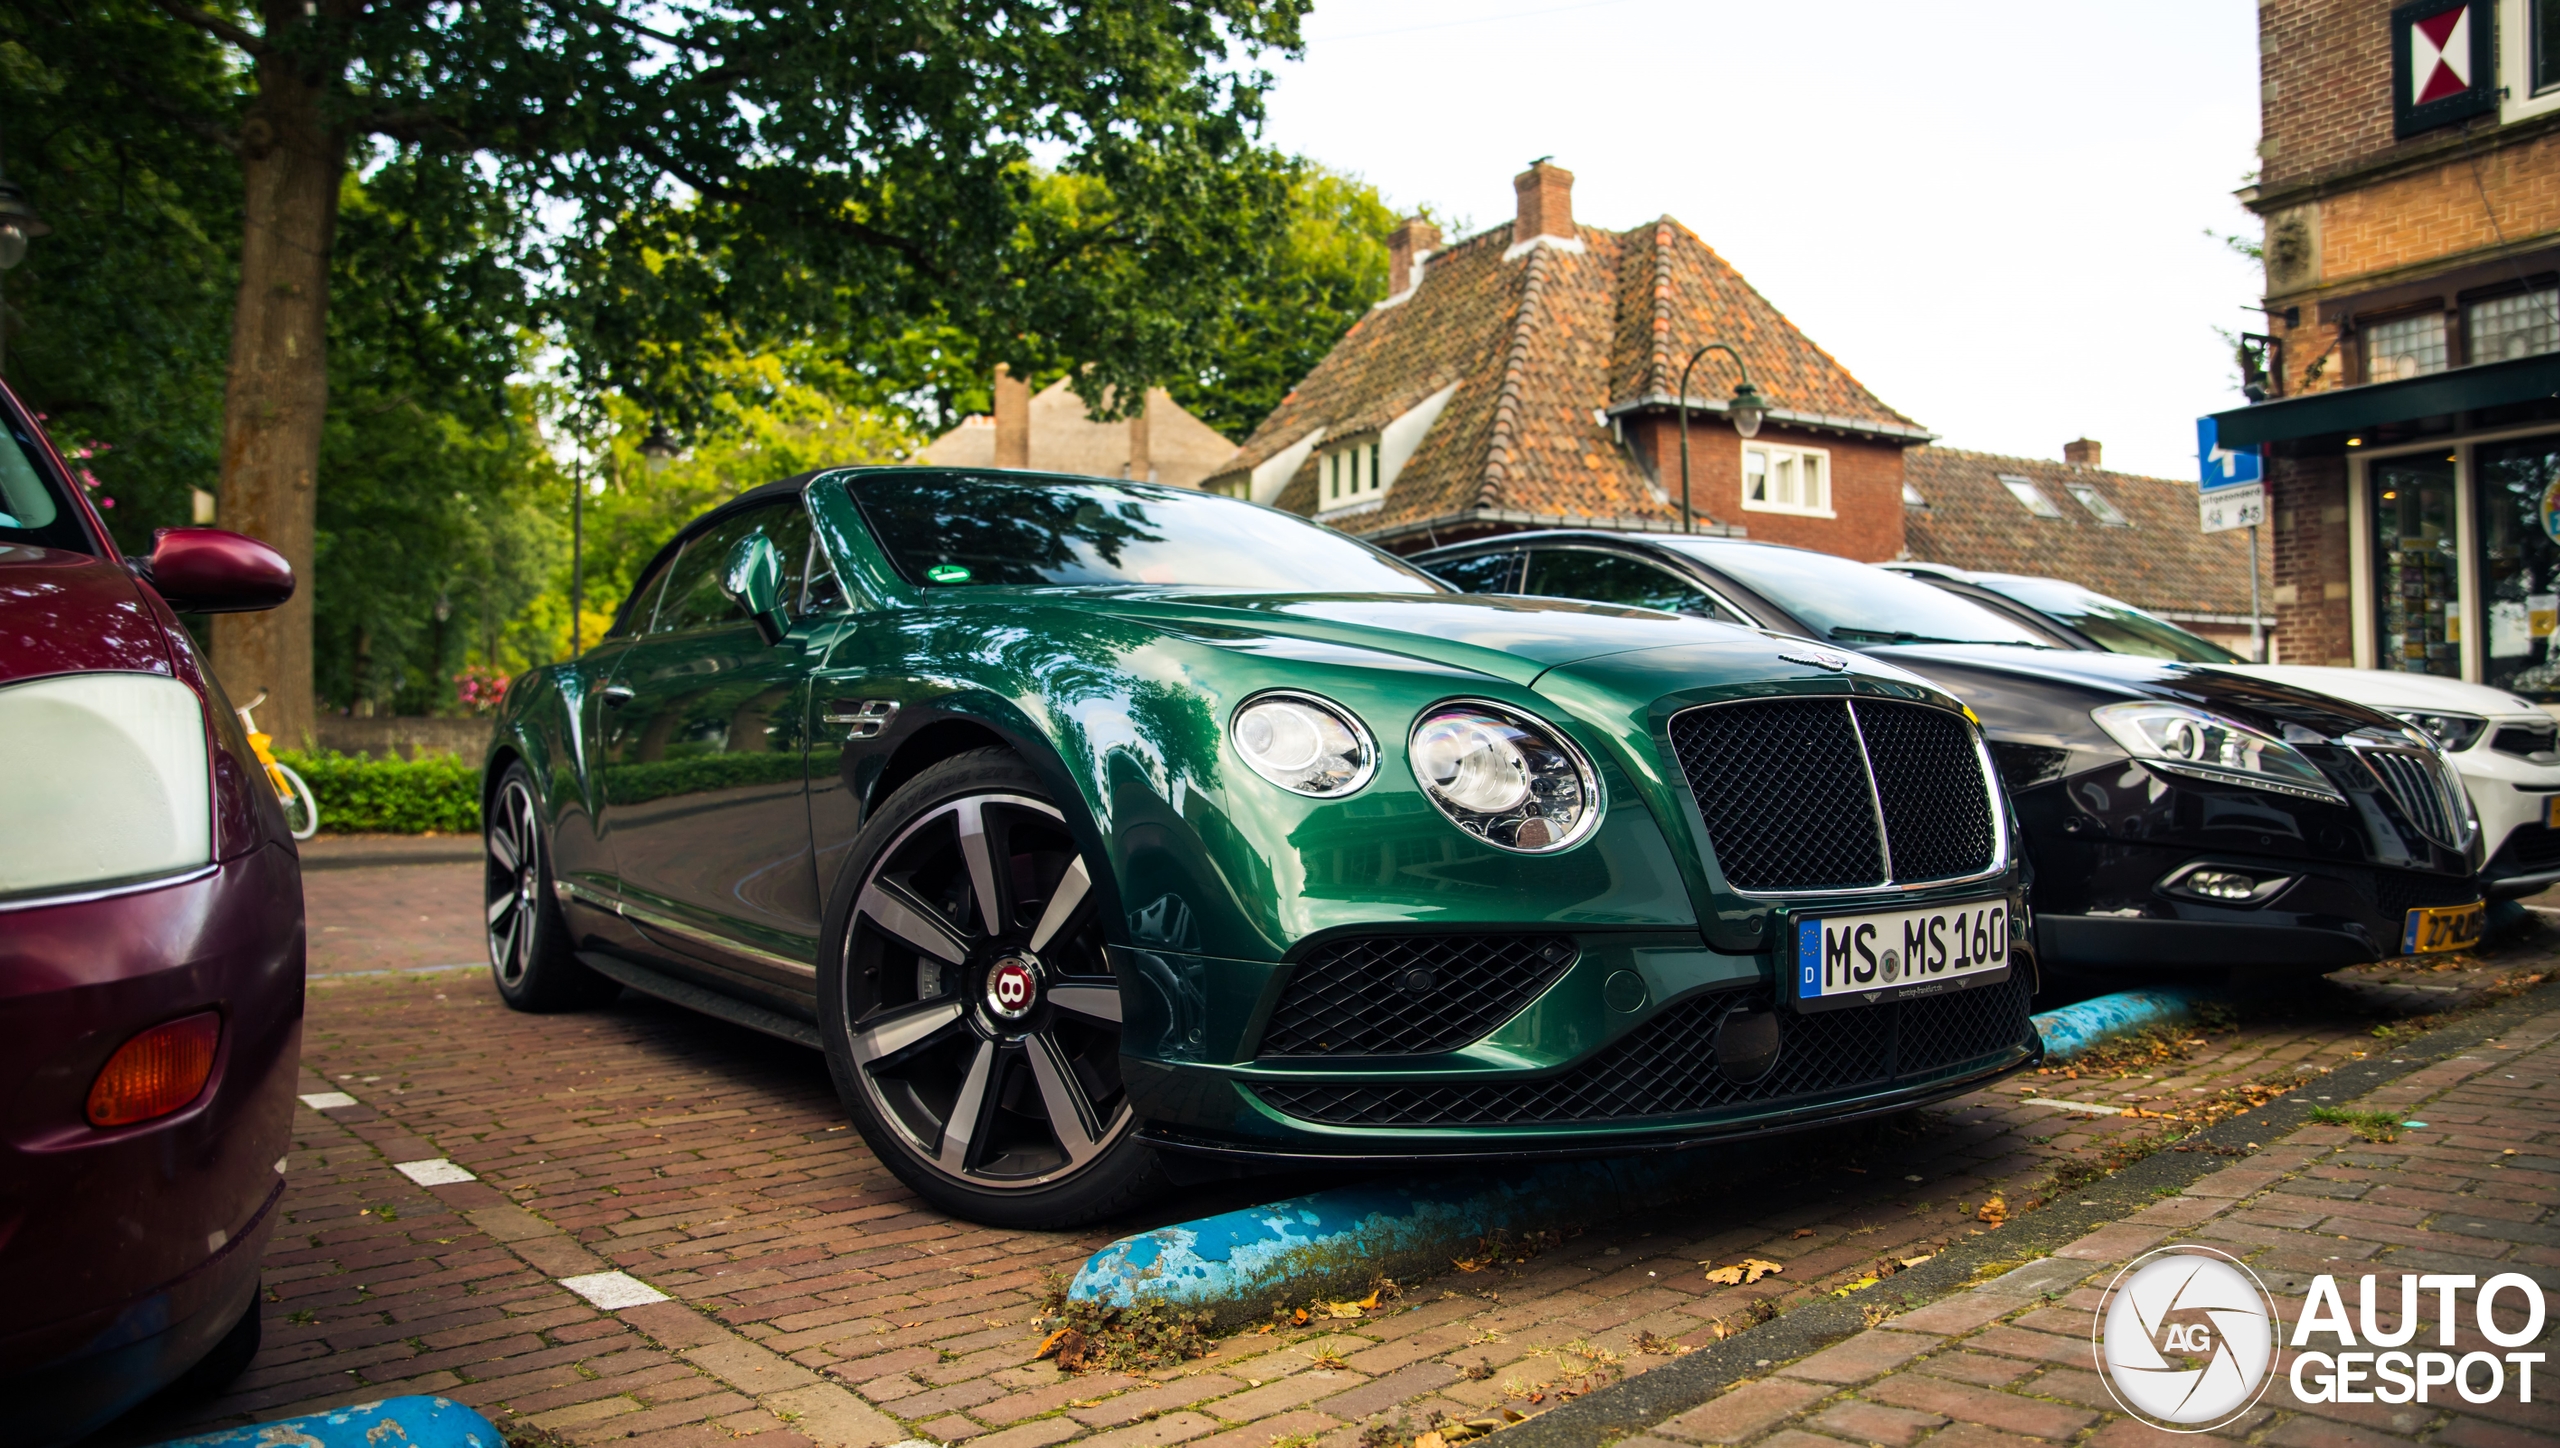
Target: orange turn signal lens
x=156, y=1072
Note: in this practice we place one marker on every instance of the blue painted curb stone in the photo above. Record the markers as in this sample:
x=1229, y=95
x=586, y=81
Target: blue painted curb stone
x=1335, y=1243
x=2076, y=1027
x=409, y=1422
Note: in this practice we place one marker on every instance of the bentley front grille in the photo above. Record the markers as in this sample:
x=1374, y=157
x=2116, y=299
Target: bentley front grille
x=1838, y=794
x=1668, y=1067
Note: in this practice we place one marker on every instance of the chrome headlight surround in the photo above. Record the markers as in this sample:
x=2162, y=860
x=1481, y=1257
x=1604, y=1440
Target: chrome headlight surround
x=2450, y=731
x=1504, y=776
x=1304, y=743
x=125, y=788
x=2183, y=739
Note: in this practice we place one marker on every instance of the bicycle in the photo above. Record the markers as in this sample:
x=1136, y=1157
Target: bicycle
x=301, y=811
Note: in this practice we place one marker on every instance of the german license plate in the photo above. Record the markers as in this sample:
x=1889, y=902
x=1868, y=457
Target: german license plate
x=2431, y=928
x=1859, y=960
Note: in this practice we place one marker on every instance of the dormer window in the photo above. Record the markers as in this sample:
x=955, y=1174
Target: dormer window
x=1786, y=479
x=2030, y=497
x=1349, y=474
x=2100, y=506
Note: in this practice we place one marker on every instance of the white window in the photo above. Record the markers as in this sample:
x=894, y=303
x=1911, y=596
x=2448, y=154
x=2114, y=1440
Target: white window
x=2509, y=327
x=1912, y=498
x=2030, y=497
x=1348, y=475
x=1786, y=479
x=2100, y=506
x=2404, y=347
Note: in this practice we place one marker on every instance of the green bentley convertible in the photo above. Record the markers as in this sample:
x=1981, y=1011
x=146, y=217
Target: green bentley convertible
x=1096, y=831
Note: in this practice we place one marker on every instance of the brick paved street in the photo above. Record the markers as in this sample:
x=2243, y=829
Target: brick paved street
x=813, y=1297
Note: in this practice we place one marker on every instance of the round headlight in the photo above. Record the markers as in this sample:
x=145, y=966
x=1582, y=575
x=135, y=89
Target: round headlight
x=1304, y=744
x=1504, y=779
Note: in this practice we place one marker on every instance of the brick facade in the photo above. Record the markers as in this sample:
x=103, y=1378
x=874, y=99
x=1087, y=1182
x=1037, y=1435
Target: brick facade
x=2306, y=501
x=1865, y=485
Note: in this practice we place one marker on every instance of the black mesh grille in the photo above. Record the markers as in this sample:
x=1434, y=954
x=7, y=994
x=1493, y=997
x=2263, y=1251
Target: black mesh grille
x=2397, y=892
x=1667, y=1066
x=1411, y=995
x=2421, y=791
x=1937, y=815
x=1784, y=793
x=1790, y=804
x=2532, y=847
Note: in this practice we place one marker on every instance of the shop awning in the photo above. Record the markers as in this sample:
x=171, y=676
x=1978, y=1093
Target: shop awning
x=2352, y=409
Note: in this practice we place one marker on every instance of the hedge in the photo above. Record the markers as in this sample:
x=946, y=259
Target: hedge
x=357, y=793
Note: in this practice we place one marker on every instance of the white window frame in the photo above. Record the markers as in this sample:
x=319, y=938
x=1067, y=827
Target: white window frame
x=2010, y=483
x=1351, y=477
x=1795, y=457
x=2515, y=65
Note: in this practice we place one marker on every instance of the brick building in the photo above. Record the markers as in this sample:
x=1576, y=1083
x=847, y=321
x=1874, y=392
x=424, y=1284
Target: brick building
x=2410, y=189
x=1530, y=376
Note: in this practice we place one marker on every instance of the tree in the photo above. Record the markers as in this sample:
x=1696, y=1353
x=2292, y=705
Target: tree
x=873, y=160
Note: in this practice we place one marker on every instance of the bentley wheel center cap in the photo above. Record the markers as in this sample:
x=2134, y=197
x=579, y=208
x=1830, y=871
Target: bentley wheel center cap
x=1012, y=988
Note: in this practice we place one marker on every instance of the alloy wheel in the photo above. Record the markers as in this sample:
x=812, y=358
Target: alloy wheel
x=983, y=1018
x=513, y=882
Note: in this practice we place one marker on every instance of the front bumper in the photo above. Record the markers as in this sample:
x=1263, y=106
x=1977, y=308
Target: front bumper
x=128, y=1252
x=2109, y=913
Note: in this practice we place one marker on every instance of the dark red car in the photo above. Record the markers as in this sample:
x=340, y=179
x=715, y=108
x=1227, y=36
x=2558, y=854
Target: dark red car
x=150, y=962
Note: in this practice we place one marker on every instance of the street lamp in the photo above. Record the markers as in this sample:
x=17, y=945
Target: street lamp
x=659, y=447
x=19, y=225
x=1745, y=411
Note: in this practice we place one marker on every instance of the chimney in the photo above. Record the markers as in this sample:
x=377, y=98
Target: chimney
x=1013, y=420
x=2083, y=453
x=1141, y=464
x=1546, y=202
x=1407, y=245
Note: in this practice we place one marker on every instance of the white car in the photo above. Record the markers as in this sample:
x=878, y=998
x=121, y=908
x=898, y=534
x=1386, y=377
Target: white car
x=2507, y=749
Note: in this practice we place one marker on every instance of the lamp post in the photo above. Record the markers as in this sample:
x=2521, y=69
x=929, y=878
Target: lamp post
x=1746, y=410
x=19, y=225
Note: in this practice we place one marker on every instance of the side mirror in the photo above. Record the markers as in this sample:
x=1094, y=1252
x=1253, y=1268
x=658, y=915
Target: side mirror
x=214, y=570
x=753, y=580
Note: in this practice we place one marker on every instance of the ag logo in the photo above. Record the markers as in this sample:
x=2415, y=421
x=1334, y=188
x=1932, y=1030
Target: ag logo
x=2185, y=1338
x=1009, y=989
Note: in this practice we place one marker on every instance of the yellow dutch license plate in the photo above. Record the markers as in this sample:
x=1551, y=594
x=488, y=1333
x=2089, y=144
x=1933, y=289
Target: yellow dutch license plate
x=2551, y=811
x=2432, y=928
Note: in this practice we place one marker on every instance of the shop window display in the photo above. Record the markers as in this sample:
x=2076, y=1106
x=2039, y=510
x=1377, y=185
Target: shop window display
x=2418, y=628
x=2520, y=563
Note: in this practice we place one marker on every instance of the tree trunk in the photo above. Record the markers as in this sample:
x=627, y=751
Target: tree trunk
x=291, y=160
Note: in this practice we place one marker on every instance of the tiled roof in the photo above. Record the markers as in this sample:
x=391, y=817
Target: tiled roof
x=1543, y=348
x=2162, y=561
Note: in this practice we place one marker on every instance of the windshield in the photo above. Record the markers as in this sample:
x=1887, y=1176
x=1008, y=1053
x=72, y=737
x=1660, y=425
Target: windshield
x=32, y=509
x=2116, y=626
x=975, y=529
x=1854, y=603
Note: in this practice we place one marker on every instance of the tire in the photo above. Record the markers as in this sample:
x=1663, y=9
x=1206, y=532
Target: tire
x=978, y=1048
x=301, y=812
x=230, y=1357
x=529, y=954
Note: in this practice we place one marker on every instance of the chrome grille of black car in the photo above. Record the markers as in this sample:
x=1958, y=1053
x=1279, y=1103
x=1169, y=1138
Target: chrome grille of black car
x=1409, y=995
x=1791, y=789
x=2423, y=793
x=1667, y=1066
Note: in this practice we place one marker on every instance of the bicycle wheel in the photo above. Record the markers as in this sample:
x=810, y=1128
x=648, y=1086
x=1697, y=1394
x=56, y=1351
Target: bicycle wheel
x=301, y=811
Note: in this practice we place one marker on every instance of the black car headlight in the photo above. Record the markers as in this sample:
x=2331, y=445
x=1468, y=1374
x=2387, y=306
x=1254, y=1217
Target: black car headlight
x=1304, y=744
x=1505, y=778
x=2190, y=741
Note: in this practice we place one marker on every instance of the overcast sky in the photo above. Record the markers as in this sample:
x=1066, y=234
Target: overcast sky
x=1993, y=213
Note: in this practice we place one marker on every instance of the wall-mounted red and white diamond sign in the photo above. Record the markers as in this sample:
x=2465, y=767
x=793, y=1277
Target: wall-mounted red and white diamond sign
x=2441, y=64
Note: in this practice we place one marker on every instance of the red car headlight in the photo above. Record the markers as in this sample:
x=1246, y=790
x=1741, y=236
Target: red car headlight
x=156, y=1072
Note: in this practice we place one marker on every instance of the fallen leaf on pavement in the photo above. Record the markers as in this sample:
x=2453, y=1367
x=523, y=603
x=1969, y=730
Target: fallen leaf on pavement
x=1804, y=1231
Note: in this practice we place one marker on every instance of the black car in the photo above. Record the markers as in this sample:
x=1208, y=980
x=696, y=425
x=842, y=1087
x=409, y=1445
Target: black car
x=2175, y=814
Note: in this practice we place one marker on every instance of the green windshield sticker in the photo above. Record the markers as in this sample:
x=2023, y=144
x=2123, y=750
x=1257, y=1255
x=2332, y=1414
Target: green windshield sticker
x=947, y=573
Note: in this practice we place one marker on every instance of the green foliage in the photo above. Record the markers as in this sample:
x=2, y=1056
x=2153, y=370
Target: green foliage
x=2377, y=1126
x=1329, y=268
x=359, y=794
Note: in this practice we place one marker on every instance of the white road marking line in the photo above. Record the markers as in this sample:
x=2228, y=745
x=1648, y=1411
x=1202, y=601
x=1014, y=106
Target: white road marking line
x=2073, y=1105
x=613, y=1291
x=328, y=1100
x=436, y=1173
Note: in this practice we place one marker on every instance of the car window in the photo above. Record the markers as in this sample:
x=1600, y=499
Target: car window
x=1598, y=577
x=1849, y=602
x=694, y=597
x=961, y=530
x=2114, y=625
x=643, y=605
x=1482, y=573
x=32, y=507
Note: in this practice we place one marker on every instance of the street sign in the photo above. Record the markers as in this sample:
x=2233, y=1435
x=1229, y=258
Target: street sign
x=2231, y=488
